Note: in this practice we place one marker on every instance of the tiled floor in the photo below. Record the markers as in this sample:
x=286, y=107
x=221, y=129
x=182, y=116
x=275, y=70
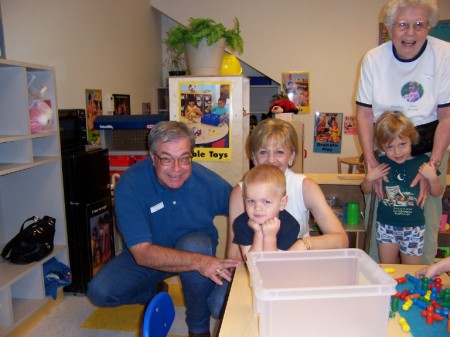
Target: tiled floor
x=65, y=321
x=66, y=318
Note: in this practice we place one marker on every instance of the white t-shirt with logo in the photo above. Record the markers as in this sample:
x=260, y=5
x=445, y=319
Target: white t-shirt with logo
x=415, y=87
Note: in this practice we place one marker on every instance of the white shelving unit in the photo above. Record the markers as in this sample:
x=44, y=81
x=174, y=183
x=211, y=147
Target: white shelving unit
x=260, y=96
x=30, y=184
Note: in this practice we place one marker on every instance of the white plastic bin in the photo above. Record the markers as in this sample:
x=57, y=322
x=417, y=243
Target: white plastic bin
x=321, y=293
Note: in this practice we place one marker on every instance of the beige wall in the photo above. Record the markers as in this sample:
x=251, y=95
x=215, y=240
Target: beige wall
x=112, y=45
x=326, y=37
x=115, y=46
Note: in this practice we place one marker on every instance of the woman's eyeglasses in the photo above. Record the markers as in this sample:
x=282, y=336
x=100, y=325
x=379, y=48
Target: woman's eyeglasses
x=417, y=26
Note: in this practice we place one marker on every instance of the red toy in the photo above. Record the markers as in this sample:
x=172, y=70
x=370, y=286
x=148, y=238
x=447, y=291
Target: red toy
x=282, y=105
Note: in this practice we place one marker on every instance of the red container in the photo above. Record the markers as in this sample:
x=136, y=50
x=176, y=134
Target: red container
x=121, y=160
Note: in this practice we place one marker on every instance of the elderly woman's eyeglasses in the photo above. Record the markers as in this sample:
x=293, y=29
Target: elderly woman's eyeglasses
x=417, y=26
x=168, y=161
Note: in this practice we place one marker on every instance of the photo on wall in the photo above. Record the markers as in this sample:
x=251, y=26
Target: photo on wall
x=350, y=125
x=328, y=132
x=206, y=107
x=121, y=104
x=94, y=108
x=296, y=86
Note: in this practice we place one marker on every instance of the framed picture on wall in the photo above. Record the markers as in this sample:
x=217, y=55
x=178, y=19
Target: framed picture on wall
x=328, y=132
x=206, y=108
x=94, y=108
x=121, y=104
x=296, y=86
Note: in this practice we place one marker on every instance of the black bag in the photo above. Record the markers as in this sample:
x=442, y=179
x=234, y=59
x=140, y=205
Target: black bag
x=33, y=242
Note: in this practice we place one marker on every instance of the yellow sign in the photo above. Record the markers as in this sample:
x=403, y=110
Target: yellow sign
x=206, y=108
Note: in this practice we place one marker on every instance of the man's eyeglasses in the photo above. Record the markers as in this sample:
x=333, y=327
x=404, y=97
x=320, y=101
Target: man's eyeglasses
x=417, y=26
x=168, y=161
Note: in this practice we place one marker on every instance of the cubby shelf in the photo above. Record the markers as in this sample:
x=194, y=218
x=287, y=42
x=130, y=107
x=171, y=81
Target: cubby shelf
x=30, y=184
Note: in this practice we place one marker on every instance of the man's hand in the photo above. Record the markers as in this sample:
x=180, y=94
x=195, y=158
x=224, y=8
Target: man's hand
x=216, y=269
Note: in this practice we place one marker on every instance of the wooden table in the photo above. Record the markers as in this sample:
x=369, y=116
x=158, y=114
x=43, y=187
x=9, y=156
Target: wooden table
x=240, y=321
x=209, y=133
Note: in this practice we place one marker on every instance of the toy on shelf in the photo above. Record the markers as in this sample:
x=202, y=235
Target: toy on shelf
x=41, y=115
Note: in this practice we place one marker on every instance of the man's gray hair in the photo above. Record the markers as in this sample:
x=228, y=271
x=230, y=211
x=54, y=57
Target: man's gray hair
x=168, y=131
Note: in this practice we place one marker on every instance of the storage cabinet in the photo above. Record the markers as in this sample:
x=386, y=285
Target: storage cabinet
x=30, y=184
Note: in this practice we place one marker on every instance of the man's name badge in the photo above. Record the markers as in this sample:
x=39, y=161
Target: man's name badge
x=157, y=207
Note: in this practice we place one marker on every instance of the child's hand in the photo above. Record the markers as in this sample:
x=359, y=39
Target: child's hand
x=427, y=170
x=271, y=227
x=375, y=173
x=257, y=228
x=430, y=271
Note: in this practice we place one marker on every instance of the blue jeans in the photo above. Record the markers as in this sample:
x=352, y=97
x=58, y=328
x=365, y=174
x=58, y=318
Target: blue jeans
x=217, y=299
x=122, y=281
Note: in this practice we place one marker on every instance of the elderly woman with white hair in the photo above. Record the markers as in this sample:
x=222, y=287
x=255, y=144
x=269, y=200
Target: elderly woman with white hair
x=386, y=74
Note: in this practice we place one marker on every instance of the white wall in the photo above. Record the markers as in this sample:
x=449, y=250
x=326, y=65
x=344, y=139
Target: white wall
x=326, y=37
x=112, y=45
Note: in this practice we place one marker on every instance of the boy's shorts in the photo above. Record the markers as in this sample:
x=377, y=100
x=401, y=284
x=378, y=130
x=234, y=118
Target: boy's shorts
x=410, y=239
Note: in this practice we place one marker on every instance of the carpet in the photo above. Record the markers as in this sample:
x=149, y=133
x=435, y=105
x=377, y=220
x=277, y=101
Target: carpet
x=129, y=317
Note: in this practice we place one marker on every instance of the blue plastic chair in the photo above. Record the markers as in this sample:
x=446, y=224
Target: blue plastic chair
x=158, y=316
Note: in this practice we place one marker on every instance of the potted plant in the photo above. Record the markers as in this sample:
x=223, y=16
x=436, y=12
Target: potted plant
x=175, y=63
x=204, y=34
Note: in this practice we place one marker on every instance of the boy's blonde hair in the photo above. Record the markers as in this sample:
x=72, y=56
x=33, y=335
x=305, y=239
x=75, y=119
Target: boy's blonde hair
x=394, y=124
x=266, y=174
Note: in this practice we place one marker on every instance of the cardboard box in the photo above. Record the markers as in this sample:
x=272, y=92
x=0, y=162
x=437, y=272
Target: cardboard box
x=321, y=293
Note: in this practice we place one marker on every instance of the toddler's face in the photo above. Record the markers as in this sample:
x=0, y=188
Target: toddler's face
x=263, y=202
x=399, y=150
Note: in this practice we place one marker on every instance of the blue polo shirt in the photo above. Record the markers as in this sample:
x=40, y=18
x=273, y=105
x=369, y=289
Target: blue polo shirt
x=150, y=212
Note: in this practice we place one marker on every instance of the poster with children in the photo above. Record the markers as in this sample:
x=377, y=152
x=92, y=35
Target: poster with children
x=205, y=108
x=328, y=132
x=101, y=233
x=350, y=126
x=94, y=108
x=296, y=87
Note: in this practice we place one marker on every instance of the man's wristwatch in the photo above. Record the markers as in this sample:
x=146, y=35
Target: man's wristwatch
x=436, y=163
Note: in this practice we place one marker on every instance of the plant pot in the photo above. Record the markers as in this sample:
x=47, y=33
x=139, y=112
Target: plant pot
x=205, y=60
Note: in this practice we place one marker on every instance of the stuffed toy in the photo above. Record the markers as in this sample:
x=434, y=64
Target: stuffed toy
x=281, y=106
x=40, y=116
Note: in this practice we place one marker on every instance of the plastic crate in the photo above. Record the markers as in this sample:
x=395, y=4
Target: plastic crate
x=321, y=293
